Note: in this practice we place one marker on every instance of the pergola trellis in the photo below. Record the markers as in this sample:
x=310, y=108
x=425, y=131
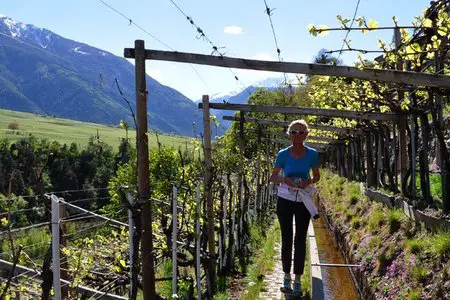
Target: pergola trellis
x=140, y=54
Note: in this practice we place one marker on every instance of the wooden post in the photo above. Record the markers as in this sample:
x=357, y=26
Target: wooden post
x=174, y=239
x=379, y=165
x=442, y=156
x=360, y=155
x=403, y=155
x=148, y=272
x=348, y=151
x=224, y=221
x=395, y=153
x=403, y=120
x=413, y=155
x=423, y=159
x=386, y=156
x=197, y=243
x=369, y=161
x=338, y=161
x=63, y=243
x=344, y=161
x=55, y=248
x=266, y=177
x=241, y=180
x=258, y=171
x=134, y=230
x=208, y=190
x=354, y=162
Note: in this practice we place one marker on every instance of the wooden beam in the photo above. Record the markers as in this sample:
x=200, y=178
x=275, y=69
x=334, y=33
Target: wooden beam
x=410, y=78
x=334, y=113
x=310, y=137
x=288, y=142
x=283, y=124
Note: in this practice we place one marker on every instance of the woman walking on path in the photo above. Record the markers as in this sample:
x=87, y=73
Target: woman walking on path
x=296, y=163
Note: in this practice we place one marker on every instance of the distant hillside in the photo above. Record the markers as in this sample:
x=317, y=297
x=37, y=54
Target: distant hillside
x=42, y=72
x=67, y=131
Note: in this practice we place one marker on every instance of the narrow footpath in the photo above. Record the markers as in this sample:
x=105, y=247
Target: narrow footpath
x=274, y=280
x=337, y=282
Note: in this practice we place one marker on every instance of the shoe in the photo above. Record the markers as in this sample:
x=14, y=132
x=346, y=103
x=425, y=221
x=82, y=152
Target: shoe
x=297, y=287
x=286, y=285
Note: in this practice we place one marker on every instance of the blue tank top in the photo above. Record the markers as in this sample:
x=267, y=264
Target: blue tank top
x=297, y=168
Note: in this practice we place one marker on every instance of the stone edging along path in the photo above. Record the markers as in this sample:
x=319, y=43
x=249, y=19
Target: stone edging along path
x=274, y=280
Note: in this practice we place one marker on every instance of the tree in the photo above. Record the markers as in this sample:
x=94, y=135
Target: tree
x=13, y=125
x=323, y=57
x=16, y=183
x=125, y=126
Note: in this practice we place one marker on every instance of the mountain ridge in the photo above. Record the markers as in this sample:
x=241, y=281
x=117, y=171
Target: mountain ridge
x=42, y=72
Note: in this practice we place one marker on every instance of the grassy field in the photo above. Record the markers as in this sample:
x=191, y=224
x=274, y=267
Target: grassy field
x=68, y=131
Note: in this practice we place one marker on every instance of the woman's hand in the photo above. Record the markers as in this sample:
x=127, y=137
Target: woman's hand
x=303, y=184
x=289, y=182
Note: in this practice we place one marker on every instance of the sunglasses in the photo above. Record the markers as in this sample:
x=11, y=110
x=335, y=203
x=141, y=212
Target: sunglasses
x=297, y=132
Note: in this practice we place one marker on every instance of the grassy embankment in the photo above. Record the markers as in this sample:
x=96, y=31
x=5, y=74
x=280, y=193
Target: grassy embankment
x=400, y=259
x=67, y=131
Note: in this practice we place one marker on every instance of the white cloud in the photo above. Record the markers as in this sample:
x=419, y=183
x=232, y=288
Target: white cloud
x=233, y=30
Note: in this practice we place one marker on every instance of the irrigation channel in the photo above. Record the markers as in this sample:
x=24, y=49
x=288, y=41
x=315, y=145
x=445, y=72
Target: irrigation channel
x=337, y=281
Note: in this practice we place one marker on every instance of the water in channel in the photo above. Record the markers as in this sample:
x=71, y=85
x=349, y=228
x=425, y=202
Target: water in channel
x=338, y=283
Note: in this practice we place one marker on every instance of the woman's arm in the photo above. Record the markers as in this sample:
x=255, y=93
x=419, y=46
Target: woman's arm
x=277, y=178
x=316, y=177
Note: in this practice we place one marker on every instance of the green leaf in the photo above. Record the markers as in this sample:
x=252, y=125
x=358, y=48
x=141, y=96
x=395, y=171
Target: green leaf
x=312, y=29
x=427, y=23
x=360, y=21
x=442, y=31
x=372, y=24
x=122, y=263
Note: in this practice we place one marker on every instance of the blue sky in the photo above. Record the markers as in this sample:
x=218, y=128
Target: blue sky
x=239, y=25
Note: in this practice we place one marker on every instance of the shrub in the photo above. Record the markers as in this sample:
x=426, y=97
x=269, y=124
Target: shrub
x=414, y=295
x=410, y=228
x=35, y=242
x=385, y=258
x=419, y=274
x=382, y=261
x=436, y=186
x=395, y=218
x=440, y=244
x=356, y=222
x=13, y=125
x=376, y=220
x=354, y=193
x=375, y=242
x=445, y=274
x=415, y=246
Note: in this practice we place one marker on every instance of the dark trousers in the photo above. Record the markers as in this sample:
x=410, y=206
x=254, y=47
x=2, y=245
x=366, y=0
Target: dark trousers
x=286, y=210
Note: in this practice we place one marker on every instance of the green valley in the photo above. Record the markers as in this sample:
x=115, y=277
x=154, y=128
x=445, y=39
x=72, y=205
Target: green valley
x=67, y=131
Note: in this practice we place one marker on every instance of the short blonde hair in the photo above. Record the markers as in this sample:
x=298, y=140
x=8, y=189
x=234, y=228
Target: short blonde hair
x=301, y=122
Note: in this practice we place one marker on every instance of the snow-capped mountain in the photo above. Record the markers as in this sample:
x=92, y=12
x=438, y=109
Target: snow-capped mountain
x=236, y=95
x=241, y=95
x=42, y=72
x=15, y=29
x=42, y=37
